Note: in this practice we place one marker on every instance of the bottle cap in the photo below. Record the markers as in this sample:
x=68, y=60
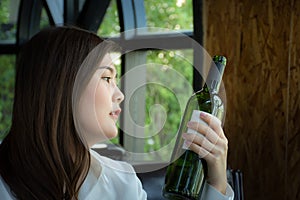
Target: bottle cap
x=220, y=59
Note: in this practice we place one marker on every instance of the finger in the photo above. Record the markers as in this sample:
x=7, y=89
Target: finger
x=213, y=122
x=219, y=143
x=203, y=153
x=205, y=130
x=200, y=140
x=217, y=149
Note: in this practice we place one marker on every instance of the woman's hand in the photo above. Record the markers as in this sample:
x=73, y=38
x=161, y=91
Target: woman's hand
x=212, y=145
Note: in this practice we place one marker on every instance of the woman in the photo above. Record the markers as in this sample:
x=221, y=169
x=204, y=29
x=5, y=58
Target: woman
x=66, y=100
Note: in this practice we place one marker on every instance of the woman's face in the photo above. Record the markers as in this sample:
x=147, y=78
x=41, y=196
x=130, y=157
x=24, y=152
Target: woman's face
x=99, y=107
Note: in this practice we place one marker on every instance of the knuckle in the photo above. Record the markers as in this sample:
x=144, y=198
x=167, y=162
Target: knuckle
x=226, y=142
x=218, y=151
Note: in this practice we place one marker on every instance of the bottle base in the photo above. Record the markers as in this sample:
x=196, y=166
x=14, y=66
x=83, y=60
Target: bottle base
x=175, y=196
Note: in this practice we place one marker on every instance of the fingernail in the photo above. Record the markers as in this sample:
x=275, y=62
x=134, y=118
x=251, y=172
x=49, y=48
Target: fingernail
x=187, y=143
x=203, y=114
x=189, y=124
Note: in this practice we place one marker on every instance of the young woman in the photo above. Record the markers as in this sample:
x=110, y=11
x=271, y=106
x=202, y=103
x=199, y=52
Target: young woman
x=66, y=100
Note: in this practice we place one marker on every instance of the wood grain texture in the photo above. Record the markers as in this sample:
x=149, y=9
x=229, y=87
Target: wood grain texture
x=293, y=133
x=262, y=42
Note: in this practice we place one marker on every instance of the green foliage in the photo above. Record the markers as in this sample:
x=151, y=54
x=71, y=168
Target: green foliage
x=10, y=29
x=44, y=19
x=172, y=15
x=7, y=71
x=110, y=25
x=7, y=74
x=163, y=95
x=3, y=11
x=169, y=14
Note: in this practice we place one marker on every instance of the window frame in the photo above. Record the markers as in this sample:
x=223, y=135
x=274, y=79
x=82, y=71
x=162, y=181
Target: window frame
x=132, y=16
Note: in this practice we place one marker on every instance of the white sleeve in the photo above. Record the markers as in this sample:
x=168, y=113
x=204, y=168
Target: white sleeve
x=210, y=193
x=5, y=191
x=141, y=193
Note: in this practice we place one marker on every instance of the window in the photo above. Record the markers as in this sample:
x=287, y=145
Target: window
x=8, y=43
x=169, y=14
x=110, y=26
x=8, y=29
x=169, y=85
x=7, y=74
x=44, y=22
x=8, y=20
x=156, y=75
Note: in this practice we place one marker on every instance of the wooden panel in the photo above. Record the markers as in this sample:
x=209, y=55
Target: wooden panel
x=262, y=84
x=293, y=137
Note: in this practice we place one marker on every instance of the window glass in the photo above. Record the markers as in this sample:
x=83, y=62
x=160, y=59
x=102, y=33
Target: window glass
x=44, y=23
x=169, y=77
x=7, y=76
x=169, y=14
x=110, y=25
x=8, y=20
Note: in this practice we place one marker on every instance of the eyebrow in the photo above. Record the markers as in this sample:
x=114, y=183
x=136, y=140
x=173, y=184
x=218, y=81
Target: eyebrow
x=112, y=70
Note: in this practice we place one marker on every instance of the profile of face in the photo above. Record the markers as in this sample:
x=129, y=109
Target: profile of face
x=99, y=105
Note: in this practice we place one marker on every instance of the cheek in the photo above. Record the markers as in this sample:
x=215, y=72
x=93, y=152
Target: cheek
x=87, y=114
x=90, y=109
x=104, y=106
x=95, y=121
x=103, y=103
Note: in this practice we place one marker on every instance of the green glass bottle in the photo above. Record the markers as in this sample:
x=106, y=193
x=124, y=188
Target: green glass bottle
x=185, y=176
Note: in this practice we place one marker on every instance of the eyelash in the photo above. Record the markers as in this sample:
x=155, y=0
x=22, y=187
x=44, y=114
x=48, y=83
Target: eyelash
x=107, y=79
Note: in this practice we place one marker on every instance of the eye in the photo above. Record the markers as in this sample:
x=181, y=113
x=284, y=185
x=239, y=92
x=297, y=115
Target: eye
x=107, y=79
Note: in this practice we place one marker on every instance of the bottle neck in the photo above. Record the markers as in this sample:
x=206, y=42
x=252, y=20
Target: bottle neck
x=214, y=77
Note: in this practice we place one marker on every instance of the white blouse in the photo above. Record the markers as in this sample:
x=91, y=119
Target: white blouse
x=108, y=179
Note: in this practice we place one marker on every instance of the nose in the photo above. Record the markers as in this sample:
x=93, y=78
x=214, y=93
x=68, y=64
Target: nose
x=118, y=96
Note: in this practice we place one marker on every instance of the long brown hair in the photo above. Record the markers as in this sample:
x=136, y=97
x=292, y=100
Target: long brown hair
x=43, y=156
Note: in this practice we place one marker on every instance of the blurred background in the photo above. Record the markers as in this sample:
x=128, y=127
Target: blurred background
x=262, y=79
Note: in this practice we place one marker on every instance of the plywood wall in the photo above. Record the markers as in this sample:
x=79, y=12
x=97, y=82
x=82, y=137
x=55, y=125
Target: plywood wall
x=262, y=42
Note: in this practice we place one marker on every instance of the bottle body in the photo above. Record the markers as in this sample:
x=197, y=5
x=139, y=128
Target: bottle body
x=186, y=175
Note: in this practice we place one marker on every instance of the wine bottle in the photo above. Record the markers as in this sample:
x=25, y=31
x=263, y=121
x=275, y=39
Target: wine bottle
x=186, y=175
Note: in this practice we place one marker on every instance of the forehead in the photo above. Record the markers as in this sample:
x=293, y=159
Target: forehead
x=107, y=63
x=109, y=68
x=106, y=60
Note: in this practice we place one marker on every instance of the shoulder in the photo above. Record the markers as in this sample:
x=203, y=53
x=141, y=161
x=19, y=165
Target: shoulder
x=118, y=180
x=118, y=166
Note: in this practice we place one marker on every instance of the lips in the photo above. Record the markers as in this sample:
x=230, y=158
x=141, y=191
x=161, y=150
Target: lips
x=115, y=114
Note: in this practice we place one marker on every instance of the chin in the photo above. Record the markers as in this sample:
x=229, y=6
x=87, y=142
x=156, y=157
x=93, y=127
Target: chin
x=111, y=133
